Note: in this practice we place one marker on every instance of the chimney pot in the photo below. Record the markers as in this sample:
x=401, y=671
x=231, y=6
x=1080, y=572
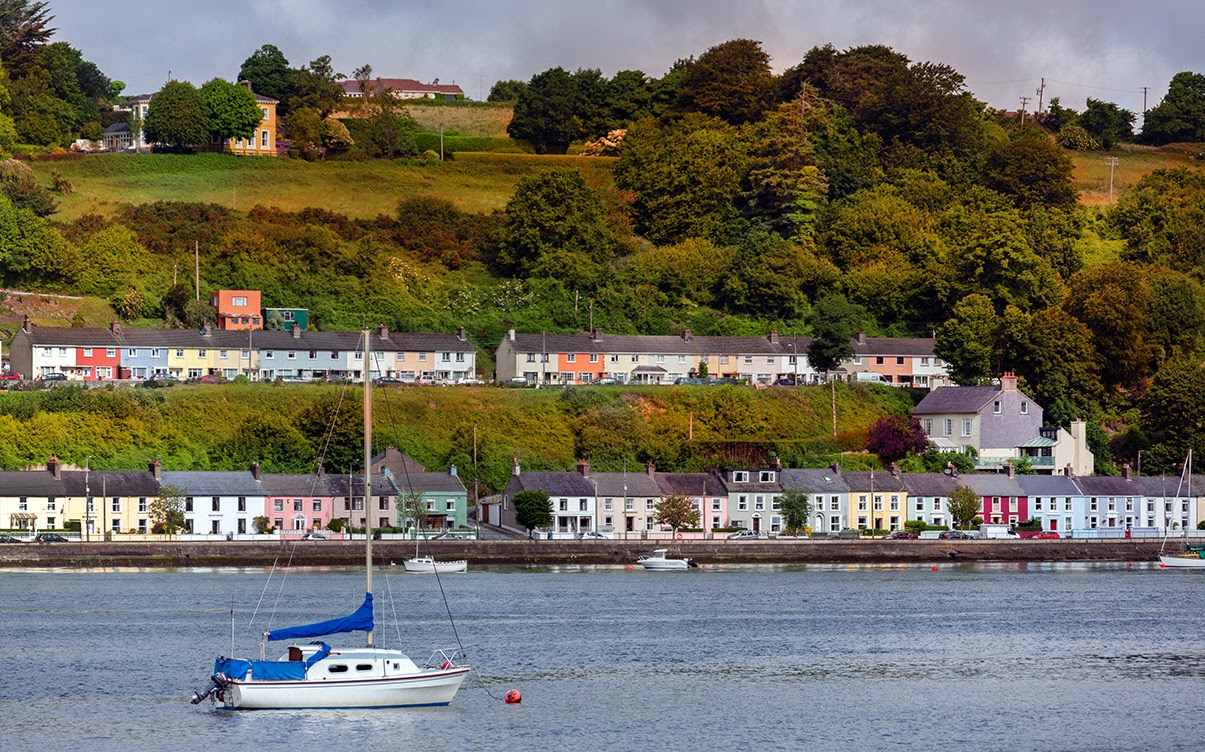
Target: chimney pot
x=155, y=469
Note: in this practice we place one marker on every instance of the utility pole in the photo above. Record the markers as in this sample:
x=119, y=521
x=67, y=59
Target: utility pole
x=1041, y=92
x=1112, y=163
x=1144, y=90
x=197, y=258
x=1024, y=101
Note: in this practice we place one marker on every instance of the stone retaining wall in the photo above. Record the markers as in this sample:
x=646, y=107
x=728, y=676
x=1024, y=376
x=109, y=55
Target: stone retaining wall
x=561, y=553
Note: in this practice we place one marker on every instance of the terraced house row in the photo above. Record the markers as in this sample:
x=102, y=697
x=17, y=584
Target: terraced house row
x=118, y=502
x=748, y=498
x=92, y=354
x=565, y=359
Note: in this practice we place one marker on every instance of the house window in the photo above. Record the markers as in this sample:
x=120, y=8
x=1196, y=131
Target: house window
x=564, y=505
x=723, y=360
x=878, y=361
x=1025, y=408
x=242, y=503
x=966, y=426
x=142, y=505
x=115, y=504
x=215, y=503
x=278, y=505
x=996, y=407
x=297, y=506
x=187, y=503
x=201, y=353
x=593, y=357
x=766, y=476
x=571, y=358
x=263, y=137
x=422, y=357
x=223, y=354
x=268, y=355
x=740, y=476
x=947, y=427
x=581, y=505
x=614, y=358
x=87, y=352
x=862, y=500
x=110, y=352
x=239, y=301
x=748, y=360
x=635, y=358
x=317, y=505
x=742, y=503
x=293, y=355
x=899, y=361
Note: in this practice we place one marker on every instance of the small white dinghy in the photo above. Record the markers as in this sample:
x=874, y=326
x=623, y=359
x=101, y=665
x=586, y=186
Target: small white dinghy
x=428, y=565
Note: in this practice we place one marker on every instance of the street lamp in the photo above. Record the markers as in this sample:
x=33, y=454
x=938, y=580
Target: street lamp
x=87, y=500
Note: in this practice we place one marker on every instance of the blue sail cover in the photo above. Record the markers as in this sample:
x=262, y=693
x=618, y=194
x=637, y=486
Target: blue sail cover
x=360, y=621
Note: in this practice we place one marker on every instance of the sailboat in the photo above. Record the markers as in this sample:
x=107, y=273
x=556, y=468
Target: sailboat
x=315, y=675
x=1192, y=556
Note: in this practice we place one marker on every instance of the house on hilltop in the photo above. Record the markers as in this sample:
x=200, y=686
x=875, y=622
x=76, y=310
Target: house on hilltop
x=402, y=88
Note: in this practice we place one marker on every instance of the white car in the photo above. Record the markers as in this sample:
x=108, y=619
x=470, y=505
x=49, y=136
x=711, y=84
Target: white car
x=744, y=535
x=591, y=535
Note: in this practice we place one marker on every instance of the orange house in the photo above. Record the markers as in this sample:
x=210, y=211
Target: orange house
x=237, y=309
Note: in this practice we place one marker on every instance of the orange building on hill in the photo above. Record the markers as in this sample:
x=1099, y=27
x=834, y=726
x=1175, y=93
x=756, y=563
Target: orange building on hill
x=237, y=309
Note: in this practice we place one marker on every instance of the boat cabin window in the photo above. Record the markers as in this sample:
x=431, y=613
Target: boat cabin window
x=364, y=667
x=338, y=668
x=294, y=653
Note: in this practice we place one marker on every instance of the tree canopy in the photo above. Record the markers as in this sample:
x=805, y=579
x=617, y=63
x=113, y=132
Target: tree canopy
x=177, y=116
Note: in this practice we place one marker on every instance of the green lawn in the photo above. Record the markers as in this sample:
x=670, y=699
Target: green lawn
x=474, y=182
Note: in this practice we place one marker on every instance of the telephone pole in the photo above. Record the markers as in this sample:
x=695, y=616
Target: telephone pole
x=1041, y=92
x=1112, y=163
x=1024, y=101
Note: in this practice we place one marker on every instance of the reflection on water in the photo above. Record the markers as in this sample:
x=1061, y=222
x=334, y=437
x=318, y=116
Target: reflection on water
x=1050, y=656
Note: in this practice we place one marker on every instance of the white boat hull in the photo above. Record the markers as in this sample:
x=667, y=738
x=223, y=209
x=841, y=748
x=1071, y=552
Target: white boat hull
x=658, y=560
x=390, y=680
x=427, y=565
x=1184, y=562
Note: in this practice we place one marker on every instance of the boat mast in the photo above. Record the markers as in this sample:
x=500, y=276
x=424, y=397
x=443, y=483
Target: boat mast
x=368, y=468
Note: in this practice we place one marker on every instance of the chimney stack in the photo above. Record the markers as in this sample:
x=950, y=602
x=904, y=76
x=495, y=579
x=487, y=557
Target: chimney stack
x=1126, y=472
x=510, y=334
x=597, y=335
x=25, y=324
x=895, y=470
x=688, y=335
x=255, y=470
x=861, y=338
x=383, y=331
x=1008, y=382
x=583, y=468
x=54, y=468
x=515, y=470
x=1068, y=472
x=1008, y=468
x=460, y=335
x=296, y=330
x=155, y=469
x=774, y=336
x=115, y=327
x=452, y=471
x=652, y=468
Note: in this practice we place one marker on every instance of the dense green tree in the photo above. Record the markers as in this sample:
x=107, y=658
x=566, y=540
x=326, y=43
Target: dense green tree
x=796, y=508
x=317, y=87
x=533, y=509
x=1031, y=168
x=1163, y=219
x=334, y=427
x=1057, y=117
x=20, y=186
x=556, y=227
x=835, y=322
x=232, y=110
x=1107, y=123
x=1113, y=301
x=24, y=30
x=177, y=116
x=731, y=81
x=111, y=261
x=506, y=91
x=629, y=97
x=967, y=341
x=272, y=441
x=544, y=113
x=1054, y=353
x=685, y=177
x=989, y=252
x=1181, y=114
x=1176, y=314
x=269, y=74
x=31, y=249
x=1173, y=411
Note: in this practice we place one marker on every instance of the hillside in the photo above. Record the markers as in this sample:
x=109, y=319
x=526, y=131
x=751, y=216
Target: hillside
x=226, y=426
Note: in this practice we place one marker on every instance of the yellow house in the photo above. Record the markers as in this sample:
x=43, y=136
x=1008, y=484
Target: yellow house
x=878, y=500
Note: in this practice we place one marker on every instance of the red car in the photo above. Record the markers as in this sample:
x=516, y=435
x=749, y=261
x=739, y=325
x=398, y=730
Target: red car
x=1047, y=534
x=9, y=376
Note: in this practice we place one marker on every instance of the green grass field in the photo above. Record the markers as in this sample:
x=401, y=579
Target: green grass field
x=1091, y=175
x=474, y=182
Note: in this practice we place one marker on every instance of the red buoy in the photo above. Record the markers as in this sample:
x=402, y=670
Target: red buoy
x=934, y=567
x=513, y=697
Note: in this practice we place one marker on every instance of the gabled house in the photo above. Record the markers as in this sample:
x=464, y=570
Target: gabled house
x=1055, y=500
x=220, y=502
x=929, y=497
x=999, y=424
x=706, y=490
x=1002, y=500
x=753, y=499
x=572, y=495
x=626, y=502
x=828, y=493
x=877, y=500
x=299, y=503
x=906, y=361
x=402, y=88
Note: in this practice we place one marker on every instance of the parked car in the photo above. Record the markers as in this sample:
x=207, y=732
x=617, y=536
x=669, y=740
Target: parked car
x=50, y=538
x=388, y=381
x=10, y=539
x=211, y=378
x=605, y=381
x=903, y=535
x=848, y=532
x=51, y=379
x=591, y=535
x=160, y=381
x=956, y=535
x=314, y=536
x=744, y=535
x=1047, y=534
x=10, y=376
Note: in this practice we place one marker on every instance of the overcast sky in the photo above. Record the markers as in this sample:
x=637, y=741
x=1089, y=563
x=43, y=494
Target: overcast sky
x=1105, y=49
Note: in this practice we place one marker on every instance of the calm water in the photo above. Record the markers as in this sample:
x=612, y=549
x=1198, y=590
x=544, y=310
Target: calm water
x=1037, y=657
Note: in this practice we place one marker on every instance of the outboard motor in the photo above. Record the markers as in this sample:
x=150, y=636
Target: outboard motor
x=217, y=683
x=692, y=563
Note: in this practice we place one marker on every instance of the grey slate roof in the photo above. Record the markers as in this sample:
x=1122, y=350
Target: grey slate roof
x=31, y=483
x=214, y=482
x=637, y=484
x=110, y=483
x=42, y=336
x=956, y=399
x=885, y=346
x=878, y=482
x=1047, y=485
x=1109, y=485
x=929, y=484
x=555, y=483
x=281, y=484
x=691, y=485
x=433, y=482
x=992, y=484
x=816, y=480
